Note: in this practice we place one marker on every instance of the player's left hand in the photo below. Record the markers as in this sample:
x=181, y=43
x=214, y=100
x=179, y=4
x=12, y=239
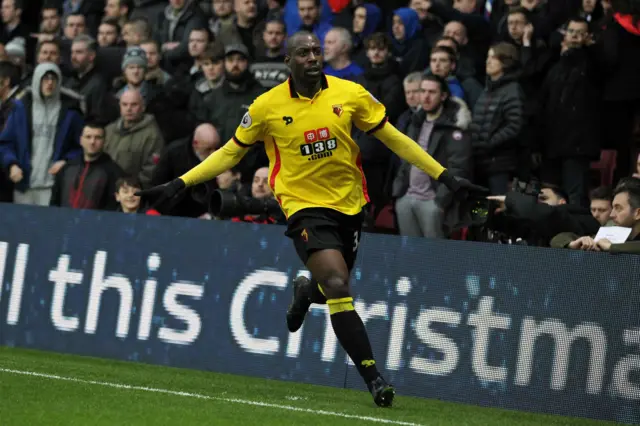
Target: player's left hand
x=163, y=193
x=463, y=189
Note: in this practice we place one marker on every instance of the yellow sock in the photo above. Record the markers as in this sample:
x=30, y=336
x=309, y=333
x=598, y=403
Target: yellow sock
x=344, y=304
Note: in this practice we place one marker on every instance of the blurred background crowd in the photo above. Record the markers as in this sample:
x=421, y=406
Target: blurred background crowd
x=539, y=100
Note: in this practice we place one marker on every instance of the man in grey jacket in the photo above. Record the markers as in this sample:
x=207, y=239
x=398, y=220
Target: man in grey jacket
x=134, y=140
x=424, y=207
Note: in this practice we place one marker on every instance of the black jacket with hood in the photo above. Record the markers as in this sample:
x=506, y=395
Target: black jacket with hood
x=498, y=118
x=87, y=185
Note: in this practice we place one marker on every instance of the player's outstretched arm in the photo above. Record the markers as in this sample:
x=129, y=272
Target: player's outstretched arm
x=221, y=160
x=410, y=151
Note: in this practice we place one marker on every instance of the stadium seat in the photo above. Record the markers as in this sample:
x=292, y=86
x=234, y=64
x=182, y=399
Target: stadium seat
x=606, y=166
x=460, y=234
x=385, y=219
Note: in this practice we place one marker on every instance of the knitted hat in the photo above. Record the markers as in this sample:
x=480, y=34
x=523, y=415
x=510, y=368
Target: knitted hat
x=134, y=56
x=16, y=47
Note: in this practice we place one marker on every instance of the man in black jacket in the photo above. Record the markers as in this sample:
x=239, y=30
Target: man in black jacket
x=86, y=80
x=425, y=208
x=88, y=182
x=224, y=107
x=382, y=81
x=570, y=111
x=180, y=157
x=175, y=26
x=498, y=118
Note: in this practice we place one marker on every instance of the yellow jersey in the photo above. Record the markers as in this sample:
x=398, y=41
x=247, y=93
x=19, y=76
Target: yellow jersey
x=313, y=161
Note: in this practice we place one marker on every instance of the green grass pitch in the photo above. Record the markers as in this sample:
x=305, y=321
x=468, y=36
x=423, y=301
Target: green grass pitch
x=43, y=388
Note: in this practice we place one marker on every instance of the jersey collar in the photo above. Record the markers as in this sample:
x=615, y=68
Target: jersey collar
x=294, y=93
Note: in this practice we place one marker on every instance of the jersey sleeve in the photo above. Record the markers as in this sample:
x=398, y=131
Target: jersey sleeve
x=251, y=128
x=369, y=115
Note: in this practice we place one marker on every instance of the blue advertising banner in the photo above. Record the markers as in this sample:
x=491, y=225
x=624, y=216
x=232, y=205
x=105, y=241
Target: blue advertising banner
x=515, y=327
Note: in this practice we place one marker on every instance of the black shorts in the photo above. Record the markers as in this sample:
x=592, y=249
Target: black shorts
x=316, y=229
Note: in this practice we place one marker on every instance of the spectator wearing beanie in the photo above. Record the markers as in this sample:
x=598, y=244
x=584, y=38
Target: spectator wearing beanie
x=164, y=103
x=498, y=120
x=134, y=68
x=17, y=54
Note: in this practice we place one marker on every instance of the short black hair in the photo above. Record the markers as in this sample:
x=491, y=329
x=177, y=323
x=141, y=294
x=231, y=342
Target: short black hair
x=131, y=181
x=94, y=124
x=66, y=20
x=578, y=19
x=521, y=10
x=203, y=29
x=48, y=5
x=291, y=40
x=108, y=20
x=601, y=193
x=18, y=4
x=632, y=187
x=275, y=20
x=444, y=86
x=556, y=189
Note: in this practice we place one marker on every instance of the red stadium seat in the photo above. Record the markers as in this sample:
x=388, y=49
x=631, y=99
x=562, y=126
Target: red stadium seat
x=385, y=219
x=606, y=166
x=460, y=234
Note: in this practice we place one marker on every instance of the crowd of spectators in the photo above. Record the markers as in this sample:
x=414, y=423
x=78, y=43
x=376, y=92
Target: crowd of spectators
x=101, y=97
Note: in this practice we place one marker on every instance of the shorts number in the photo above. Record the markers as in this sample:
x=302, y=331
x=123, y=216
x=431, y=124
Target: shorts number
x=356, y=240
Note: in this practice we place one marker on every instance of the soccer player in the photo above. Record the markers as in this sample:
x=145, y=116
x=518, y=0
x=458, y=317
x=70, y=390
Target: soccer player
x=316, y=176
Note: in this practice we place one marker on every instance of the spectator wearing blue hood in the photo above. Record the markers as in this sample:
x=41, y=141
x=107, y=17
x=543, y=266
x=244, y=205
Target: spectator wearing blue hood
x=409, y=47
x=308, y=15
x=366, y=20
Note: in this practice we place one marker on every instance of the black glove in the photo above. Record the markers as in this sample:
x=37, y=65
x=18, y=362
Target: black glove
x=462, y=188
x=162, y=193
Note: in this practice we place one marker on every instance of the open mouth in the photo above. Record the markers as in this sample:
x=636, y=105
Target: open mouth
x=314, y=71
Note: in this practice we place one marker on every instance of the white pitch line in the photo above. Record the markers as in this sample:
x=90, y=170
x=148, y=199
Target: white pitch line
x=207, y=397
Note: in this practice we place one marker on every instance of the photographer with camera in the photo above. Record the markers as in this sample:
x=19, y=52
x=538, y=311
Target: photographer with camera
x=537, y=215
x=259, y=207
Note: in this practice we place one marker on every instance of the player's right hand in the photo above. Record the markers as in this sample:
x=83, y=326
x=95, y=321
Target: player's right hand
x=163, y=193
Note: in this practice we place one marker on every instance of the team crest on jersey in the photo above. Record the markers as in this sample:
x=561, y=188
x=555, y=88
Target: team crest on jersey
x=457, y=135
x=337, y=110
x=246, y=120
